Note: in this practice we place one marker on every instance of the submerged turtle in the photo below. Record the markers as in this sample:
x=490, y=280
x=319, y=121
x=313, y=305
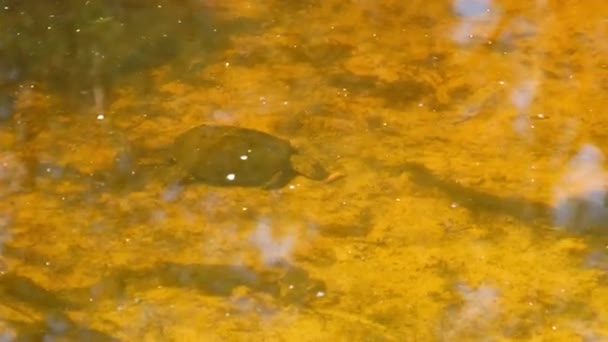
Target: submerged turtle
x=228, y=155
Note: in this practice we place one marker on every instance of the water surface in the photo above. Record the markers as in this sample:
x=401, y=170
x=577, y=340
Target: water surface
x=471, y=133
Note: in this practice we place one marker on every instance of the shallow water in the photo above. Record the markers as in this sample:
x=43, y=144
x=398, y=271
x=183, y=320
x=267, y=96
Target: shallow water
x=471, y=134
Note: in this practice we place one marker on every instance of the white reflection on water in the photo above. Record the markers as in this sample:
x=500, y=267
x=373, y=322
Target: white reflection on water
x=469, y=8
x=521, y=97
x=478, y=18
x=273, y=250
x=479, y=307
x=580, y=195
x=12, y=173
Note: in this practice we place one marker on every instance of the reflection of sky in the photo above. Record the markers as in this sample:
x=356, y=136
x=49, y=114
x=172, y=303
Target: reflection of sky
x=273, y=249
x=522, y=97
x=478, y=309
x=580, y=196
x=470, y=8
x=473, y=13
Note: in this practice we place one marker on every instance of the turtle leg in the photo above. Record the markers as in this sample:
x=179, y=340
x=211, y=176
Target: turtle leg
x=332, y=177
x=278, y=180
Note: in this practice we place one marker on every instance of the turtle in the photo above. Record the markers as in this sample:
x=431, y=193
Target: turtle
x=224, y=155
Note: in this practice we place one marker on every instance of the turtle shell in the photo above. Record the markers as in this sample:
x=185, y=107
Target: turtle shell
x=228, y=155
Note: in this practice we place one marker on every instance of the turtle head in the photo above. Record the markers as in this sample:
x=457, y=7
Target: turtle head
x=308, y=167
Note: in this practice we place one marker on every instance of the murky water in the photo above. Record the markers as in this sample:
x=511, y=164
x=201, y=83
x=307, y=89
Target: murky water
x=471, y=134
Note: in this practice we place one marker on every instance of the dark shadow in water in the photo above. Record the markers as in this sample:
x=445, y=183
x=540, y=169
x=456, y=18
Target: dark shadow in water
x=526, y=211
x=73, y=46
x=288, y=284
x=397, y=94
x=15, y=288
x=477, y=201
x=21, y=295
x=6, y=106
x=57, y=326
x=321, y=55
